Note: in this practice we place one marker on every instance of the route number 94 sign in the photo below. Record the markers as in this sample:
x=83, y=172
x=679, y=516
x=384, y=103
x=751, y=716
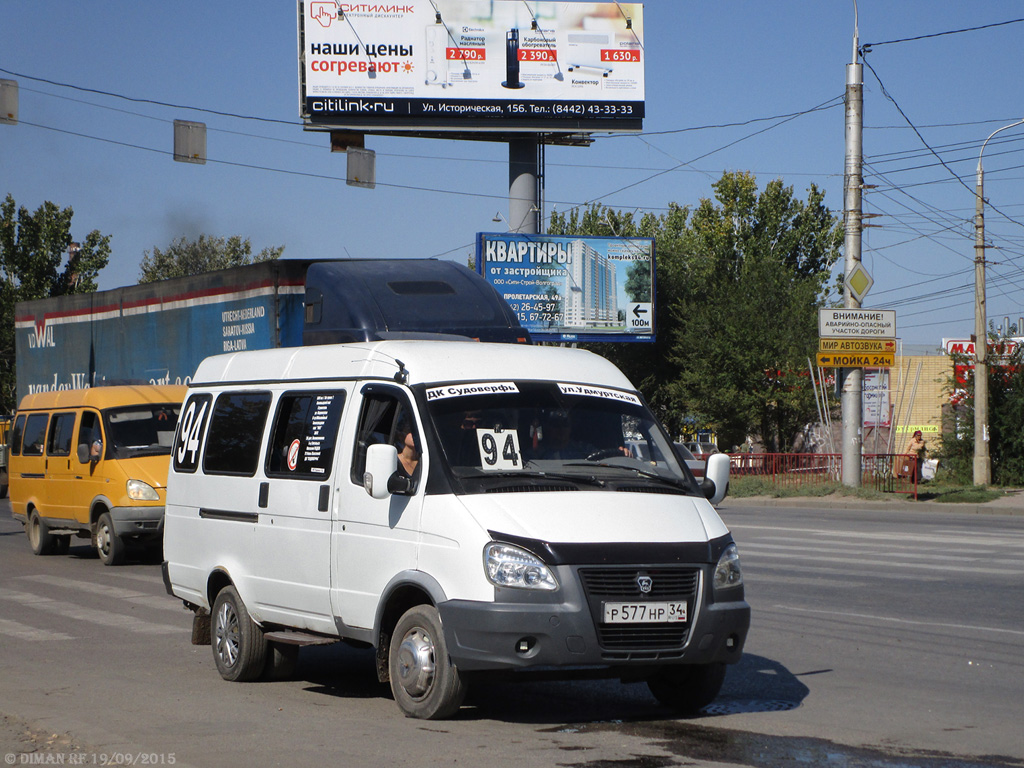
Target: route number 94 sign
x=499, y=450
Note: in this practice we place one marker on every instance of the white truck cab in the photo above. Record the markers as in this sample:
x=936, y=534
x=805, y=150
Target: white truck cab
x=462, y=507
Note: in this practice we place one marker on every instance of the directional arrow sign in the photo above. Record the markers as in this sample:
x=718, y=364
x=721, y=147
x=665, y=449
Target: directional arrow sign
x=857, y=345
x=638, y=317
x=855, y=360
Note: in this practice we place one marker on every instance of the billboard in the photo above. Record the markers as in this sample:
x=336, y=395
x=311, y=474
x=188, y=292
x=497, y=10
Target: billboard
x=875, y=408
x=509, y=66
x=574, y=288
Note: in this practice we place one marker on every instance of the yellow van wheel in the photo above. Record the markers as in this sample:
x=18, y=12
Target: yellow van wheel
x=109, y=545
x=39, y=537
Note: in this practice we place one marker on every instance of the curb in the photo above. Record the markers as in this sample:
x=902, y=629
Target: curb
x=1011, y=504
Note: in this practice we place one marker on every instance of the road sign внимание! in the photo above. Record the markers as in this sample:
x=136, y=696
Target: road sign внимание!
x=857, y=323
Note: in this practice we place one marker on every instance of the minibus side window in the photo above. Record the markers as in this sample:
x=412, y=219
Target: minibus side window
x=62, y=427
x=88, y=431
x=304, y=436
x=16, y=433
x=188, y=439
x=35, y=434
x=236, y=433
x=385, y=418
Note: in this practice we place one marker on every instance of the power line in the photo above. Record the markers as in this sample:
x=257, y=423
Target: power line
x=868, y=46
x=149, y=101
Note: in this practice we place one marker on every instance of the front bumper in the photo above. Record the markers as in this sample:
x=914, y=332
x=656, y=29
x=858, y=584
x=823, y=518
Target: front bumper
x=138, y=521
x=524, y=630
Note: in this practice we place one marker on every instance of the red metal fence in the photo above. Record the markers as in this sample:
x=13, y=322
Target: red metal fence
x=886, y=472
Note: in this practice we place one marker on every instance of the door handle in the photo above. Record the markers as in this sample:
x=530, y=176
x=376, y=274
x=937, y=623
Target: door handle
x=264, y=495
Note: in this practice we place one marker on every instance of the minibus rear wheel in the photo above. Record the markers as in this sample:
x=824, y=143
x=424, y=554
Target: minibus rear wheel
x=239, y=645
x=39, y=537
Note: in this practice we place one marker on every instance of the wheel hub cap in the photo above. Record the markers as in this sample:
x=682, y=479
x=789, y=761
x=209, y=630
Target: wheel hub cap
x=416, y=663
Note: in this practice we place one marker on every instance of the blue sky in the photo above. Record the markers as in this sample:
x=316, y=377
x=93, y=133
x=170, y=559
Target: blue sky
x=708, y=64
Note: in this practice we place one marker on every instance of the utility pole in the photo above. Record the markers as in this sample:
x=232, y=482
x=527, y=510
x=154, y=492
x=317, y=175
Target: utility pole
x=525, y=168
x=982, y=459
x=851, y=379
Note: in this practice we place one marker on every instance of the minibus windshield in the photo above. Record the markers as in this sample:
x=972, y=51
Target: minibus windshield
x=141, y=430
x=585, y=434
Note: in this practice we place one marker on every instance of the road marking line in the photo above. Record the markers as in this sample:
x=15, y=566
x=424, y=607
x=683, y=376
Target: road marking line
x=156, y=602
x=32, y=634
x=889, y=563
x=892, y=620
x=90, y=615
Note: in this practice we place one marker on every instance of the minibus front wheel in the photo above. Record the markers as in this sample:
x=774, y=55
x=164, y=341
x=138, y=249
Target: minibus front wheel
x=688, y=688
x=424, y=682
x=109, y=545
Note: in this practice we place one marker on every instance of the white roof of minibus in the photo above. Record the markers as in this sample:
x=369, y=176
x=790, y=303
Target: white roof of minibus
x=425, y=362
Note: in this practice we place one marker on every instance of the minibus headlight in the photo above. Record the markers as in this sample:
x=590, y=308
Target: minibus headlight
x=140, y=491
x=727, y=572
x=509, y=566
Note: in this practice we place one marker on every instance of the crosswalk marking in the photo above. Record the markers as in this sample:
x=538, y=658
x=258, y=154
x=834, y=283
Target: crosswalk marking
x=32, y=634
x=90, y=615
x=117, y=593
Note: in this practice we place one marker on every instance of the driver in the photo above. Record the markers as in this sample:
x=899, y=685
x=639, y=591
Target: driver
x=559, y=442
x=566, y=439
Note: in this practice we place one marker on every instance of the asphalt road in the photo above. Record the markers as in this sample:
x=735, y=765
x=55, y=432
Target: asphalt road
x=878, y=639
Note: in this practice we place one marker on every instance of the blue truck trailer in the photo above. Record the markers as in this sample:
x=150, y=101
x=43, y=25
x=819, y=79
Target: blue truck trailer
x=159, y=332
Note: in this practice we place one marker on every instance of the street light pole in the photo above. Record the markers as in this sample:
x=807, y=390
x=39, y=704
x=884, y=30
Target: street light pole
x=982, y=460
x=851, y=379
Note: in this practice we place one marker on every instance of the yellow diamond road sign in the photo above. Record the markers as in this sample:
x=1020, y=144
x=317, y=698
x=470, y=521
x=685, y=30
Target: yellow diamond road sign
x=856, y=360
x=860, y=282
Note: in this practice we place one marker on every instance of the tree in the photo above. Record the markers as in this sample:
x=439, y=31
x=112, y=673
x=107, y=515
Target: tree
x=739, y=282
x=33, y=247
x=185, y=257
x=1006, y=418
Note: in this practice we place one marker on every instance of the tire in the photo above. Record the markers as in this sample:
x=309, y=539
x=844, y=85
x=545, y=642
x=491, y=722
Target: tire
x=239, y=647
x=424, y=682
x=282, y=659
x=110, y=547
x=39, y=537
x=687, y=689
x=3, y=490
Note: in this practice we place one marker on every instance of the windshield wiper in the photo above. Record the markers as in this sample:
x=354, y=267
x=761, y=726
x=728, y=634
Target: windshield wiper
x=638, y=470
x=534, y=474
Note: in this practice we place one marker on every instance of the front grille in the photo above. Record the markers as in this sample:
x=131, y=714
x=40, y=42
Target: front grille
x=649, y=637
x=621, y=583
x=640, y=641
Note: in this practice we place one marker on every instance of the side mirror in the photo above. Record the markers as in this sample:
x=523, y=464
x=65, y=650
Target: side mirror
x=83, y=454
x=716, y=478
x=381, y=463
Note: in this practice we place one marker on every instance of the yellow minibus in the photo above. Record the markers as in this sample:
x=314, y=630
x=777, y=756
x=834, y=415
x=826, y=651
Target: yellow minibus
x=92, y=463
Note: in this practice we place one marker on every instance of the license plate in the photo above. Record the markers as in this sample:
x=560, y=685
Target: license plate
x=644, y=613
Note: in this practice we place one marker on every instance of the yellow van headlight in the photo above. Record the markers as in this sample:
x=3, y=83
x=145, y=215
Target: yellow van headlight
x=140, y=491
